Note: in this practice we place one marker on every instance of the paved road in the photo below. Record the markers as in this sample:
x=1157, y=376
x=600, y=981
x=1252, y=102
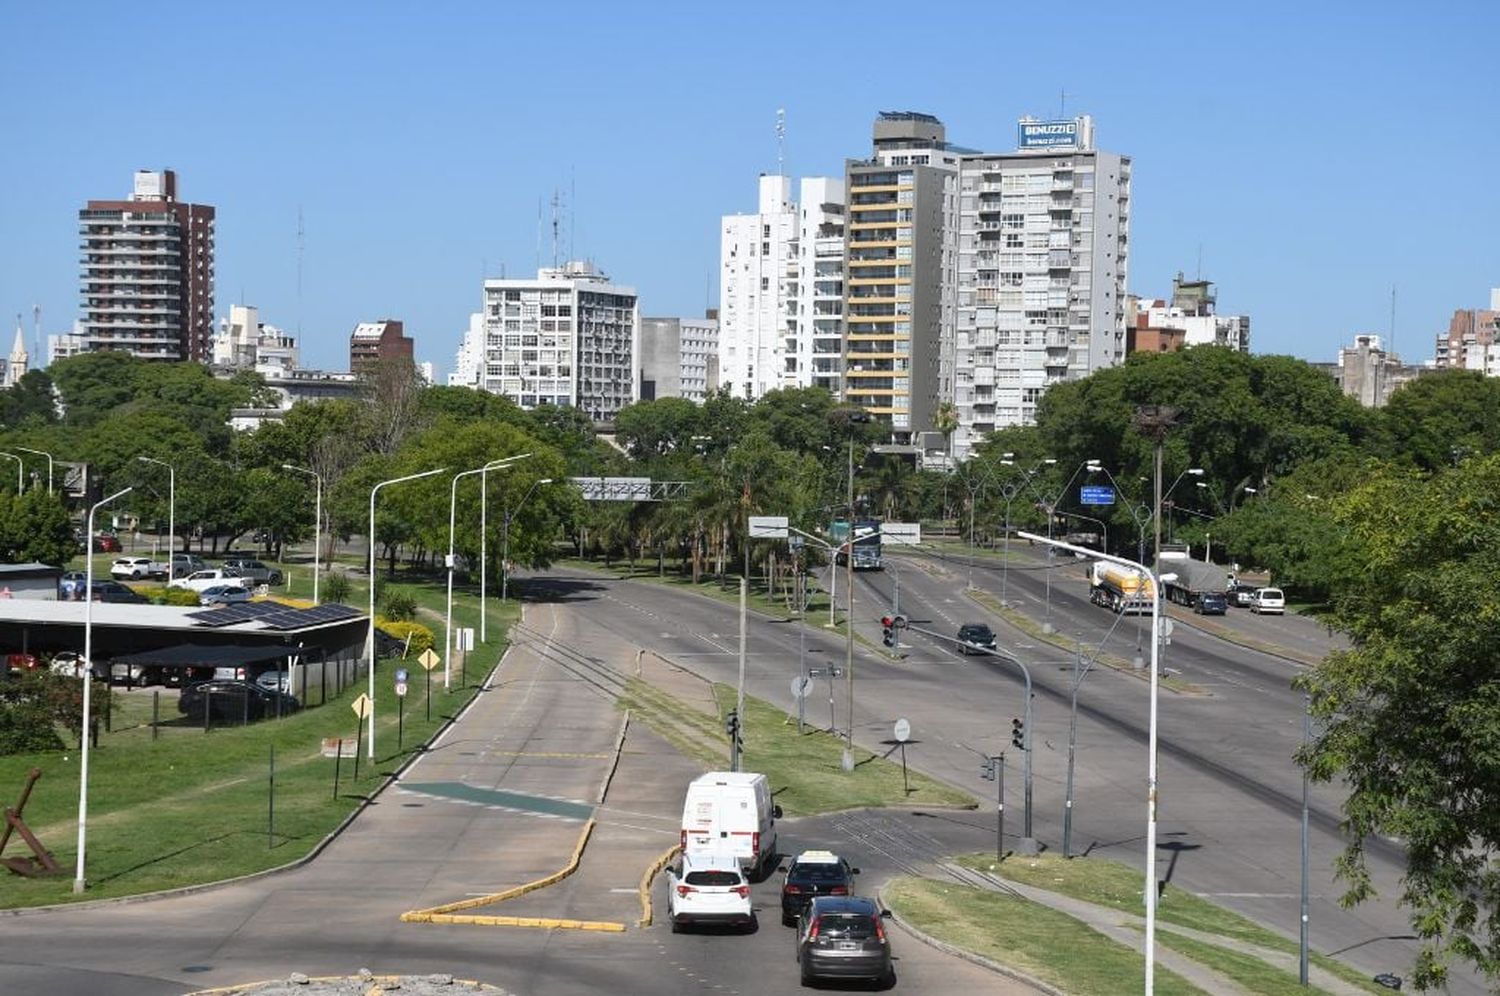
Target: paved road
x=497, y=803
x=1230, y=793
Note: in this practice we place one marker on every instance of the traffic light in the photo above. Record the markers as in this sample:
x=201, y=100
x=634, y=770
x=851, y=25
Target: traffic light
x=987, y=769
x=889, y=635
x=732, y=724
x=1018, y=733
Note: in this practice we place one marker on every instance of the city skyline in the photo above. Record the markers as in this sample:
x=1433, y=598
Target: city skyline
x=419, y=154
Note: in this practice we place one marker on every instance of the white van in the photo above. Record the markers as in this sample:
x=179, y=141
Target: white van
x=731, y=812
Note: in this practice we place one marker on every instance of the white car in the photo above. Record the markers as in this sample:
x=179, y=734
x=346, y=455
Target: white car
x=69, y=664
x=223, y=594
x=211, y=578
x=709, y=888
x=135, y=569
x=1268, y=601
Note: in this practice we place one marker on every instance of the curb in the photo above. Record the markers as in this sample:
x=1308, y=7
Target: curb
x=652, y=871
x=998, y=968
x=318, y=849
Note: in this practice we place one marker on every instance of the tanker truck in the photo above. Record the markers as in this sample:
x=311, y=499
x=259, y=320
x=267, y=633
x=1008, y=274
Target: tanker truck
x=1194, y=578
x=1122, y=590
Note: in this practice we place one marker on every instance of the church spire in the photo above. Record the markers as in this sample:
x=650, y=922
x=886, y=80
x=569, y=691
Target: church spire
x=19, y=361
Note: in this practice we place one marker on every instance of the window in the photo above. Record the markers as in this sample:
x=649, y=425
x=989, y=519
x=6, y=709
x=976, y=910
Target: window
x=765, y=283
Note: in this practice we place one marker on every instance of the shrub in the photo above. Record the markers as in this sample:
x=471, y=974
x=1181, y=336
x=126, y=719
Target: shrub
x=26, y=727
x=334, y=588
x=174, y=596
x=397, y=603
x=398, y=629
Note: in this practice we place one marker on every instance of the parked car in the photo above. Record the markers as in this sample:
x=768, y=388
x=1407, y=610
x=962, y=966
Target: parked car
x=1268, y=601
x=254, y=570
x=1244, y=595
x=710, y=888
x=106, y=543
x=232, y=700
x=843, y=937
x=223, y=594
x=68, y=663
x=70, y=585
x=106, y=590
x=137, y=568
x=184, y=564
x=1211, y=603
x=18, y=664
x=210, y=578
x=976, y=638
x=813, y=874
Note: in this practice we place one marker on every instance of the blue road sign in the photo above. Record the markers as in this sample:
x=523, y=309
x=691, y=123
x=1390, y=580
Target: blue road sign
x=1096, y=494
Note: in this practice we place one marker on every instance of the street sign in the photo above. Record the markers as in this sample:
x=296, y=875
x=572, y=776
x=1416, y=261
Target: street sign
x=769, y=526
x=401, y=676
x=429, y=659
x=401, y=689
x=466, y=638
x=1166, y=626
x=801, y=685
x=901, y=533
x=361, y=706
x=903, y=730
x=1096, y=494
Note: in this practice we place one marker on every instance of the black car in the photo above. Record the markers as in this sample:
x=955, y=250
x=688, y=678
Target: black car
x=234, y=700
x=976, y=638
x=1211, y=604
x=843, y=937
x=812, y=874
x=114, y=591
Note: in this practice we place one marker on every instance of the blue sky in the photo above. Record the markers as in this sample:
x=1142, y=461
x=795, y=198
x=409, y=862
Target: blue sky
x=1315, y=153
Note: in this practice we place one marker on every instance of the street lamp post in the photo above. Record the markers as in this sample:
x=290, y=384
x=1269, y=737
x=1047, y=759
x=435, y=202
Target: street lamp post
x=1090, y=465
x=855, y=416
x=88, y=682
x=505, y=539
x=370, y=740
x=317, y=520
x=20, y=471
x=1163, y=496
x=1150, y=883
x=484, y=538
x=452, y=564
x=171, y=514
x=28, y=449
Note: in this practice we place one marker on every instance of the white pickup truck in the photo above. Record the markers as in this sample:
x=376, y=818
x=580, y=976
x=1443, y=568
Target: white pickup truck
x=210, y=578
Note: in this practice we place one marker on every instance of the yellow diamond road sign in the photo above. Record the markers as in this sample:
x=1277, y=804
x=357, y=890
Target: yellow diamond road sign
x=361, y=706
x=429, y=659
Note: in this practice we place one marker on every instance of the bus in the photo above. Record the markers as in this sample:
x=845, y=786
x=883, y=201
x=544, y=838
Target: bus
x=866, y=549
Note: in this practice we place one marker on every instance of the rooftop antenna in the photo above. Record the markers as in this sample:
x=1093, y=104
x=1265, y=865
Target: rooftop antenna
x=572, y=210
x=556, y=208
x=538, y=233
x=1391, y=350
x=1062, y=103
x=299, y=270
x=1199, y=274
x=781, y=141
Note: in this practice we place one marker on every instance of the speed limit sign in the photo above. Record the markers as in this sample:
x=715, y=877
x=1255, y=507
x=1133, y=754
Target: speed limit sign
x=401, y=689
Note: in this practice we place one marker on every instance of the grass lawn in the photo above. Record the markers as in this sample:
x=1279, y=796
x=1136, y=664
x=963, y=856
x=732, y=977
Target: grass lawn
x=1037, y=940
x=1118, y=886
x=805, y=770
x=189, y=807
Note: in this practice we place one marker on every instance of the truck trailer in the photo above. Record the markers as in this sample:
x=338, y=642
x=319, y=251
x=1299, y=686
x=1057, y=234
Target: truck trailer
x=1193, y=578
x=1122, y=590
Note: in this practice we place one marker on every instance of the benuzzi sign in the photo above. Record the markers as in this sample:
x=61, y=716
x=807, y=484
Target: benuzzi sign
x=1048, y=134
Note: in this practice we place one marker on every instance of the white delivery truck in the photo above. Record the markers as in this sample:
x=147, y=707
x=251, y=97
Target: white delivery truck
x=731, y=812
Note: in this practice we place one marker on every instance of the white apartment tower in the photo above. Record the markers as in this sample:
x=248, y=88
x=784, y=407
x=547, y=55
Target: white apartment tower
x=815, y=344
x=470, y=359
x=569, y=337
x=1043, y=254
x=757, y=262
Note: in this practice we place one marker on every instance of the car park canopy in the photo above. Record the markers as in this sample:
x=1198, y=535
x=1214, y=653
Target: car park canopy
x=191, y=655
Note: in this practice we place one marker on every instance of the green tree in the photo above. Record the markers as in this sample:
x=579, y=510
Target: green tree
x=29, y=402
x=1411, y=712
x=35, y=527
x=1440, y=418
x=656, y=428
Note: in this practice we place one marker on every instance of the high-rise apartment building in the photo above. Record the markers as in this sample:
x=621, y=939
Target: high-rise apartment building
x=148, y=273
x=245, y=342
x=679, y=358
x=372, y=343
x=815, y=341
x=470, y=357
x=757, y=262
x=1043, y=243
x=900, y=263
x=1472, y=341
x=1188, y=319
x=568, y=337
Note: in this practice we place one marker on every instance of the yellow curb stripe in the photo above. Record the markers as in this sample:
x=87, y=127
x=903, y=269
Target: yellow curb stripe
x=440, y=914
x=652, y=871
x=539, y=922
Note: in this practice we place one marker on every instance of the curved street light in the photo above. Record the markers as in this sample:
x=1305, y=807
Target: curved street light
x=505, y=550
x=171, y=513
x=317, y=521
x=79, y=883
x=20, y=471
x=484, y=538
x=452, y=522
x=28, y=449
x=373, y=491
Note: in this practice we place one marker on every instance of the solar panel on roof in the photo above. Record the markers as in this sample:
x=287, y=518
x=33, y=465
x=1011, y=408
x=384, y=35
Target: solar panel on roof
x=274, y=615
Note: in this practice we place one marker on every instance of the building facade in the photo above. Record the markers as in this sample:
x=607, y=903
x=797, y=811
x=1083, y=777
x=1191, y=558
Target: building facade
x=1370, y=374
x=679, y=358
x=19, y=361
x=244, y=342
x=470, y=357
x=567, y=337
x=815, y=350
x=757, y=266
x=1188, y=319
x=900, y=269
x=148, y=273
x=1043, y=262
x=1470, y=342
x=376, y=342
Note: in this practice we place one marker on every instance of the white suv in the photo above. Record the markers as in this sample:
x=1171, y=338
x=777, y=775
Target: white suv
x=1268, y=601
x=709, y=888
x=132, y=568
